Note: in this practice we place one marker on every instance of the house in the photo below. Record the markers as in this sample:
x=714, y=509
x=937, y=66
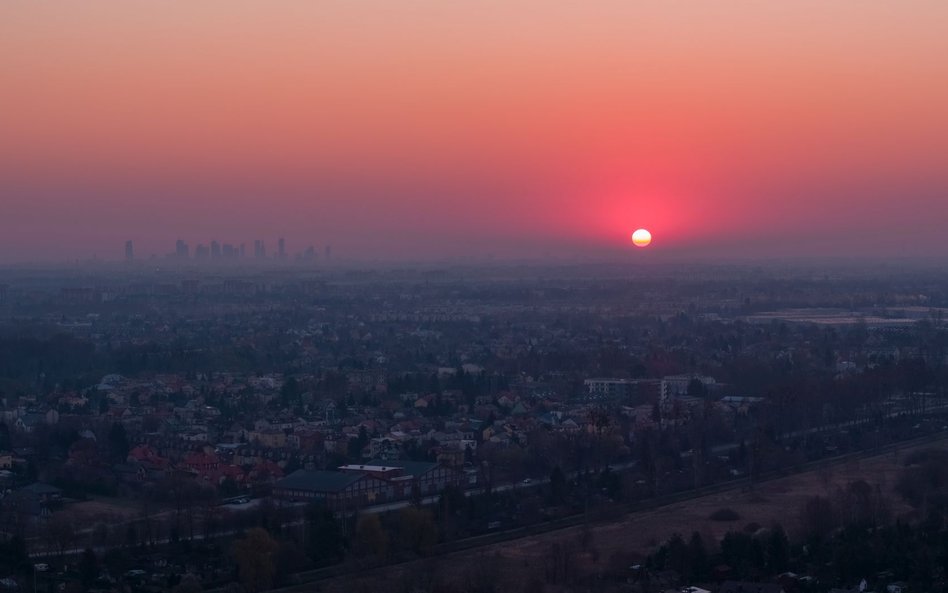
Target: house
x=273, y=438
x=148, y=457
x=43, y=493
x=27, y=507
x=304, y=439
x=507, y=400
x=383, y=448
x=335, y=442
x=73, y=401
x=28, y=422
x=204, y=463
x=229, y=472
x=608, y=388
x=674, y=385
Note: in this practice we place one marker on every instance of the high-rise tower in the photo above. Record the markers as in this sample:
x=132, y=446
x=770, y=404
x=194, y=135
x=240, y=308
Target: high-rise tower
x=181, y=249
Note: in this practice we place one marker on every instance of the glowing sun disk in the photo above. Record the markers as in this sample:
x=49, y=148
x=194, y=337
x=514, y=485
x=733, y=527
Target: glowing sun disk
x=641, y=238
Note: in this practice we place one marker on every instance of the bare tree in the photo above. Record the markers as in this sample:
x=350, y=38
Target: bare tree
x=61, y=534
x=255, y=560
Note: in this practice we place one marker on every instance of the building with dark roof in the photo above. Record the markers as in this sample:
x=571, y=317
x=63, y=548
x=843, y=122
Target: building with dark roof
x=373, y=482
x=423, y=477
x=337, y=490
x=42, y=492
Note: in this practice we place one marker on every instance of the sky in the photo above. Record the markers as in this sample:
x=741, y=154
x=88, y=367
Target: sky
x=504, y=128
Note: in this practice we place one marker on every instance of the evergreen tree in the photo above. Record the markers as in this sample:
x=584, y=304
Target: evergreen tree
x=557, y=485
x=88, y=568
x=697, y=558
x=290, y=392
x=777, y=550
x=118, y=443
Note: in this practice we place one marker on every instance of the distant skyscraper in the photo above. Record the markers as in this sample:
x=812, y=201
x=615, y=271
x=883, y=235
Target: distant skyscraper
x=281, y=248
x=181, y=249
x=242, y=252
x=201, y=251
x=259, y=249
x=215, y=250
x=129, y=251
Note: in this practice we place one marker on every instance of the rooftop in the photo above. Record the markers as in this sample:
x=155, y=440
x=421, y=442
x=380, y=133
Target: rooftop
x=318, y=481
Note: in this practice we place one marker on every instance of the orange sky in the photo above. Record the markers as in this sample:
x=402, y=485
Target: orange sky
x=421, y=129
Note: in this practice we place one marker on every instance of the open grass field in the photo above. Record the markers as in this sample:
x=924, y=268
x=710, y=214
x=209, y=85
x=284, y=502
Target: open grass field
x=100, y=509
x=637, y=534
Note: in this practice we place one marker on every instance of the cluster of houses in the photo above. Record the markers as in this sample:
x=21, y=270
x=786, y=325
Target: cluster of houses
x=180, y=426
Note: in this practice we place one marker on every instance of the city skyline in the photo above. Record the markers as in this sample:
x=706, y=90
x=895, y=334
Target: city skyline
x=512, y=129
x=474, y=297
x=222, y=250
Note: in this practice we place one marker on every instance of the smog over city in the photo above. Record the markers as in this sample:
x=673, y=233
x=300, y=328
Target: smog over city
x=474, y=297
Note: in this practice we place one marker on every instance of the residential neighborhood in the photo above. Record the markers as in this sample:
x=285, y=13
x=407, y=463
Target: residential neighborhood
x=173, y=413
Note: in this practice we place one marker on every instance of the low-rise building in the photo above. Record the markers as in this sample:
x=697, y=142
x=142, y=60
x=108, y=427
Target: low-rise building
x=337, y=490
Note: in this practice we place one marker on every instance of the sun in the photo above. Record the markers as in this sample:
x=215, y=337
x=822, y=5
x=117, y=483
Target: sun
x=641, y=238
